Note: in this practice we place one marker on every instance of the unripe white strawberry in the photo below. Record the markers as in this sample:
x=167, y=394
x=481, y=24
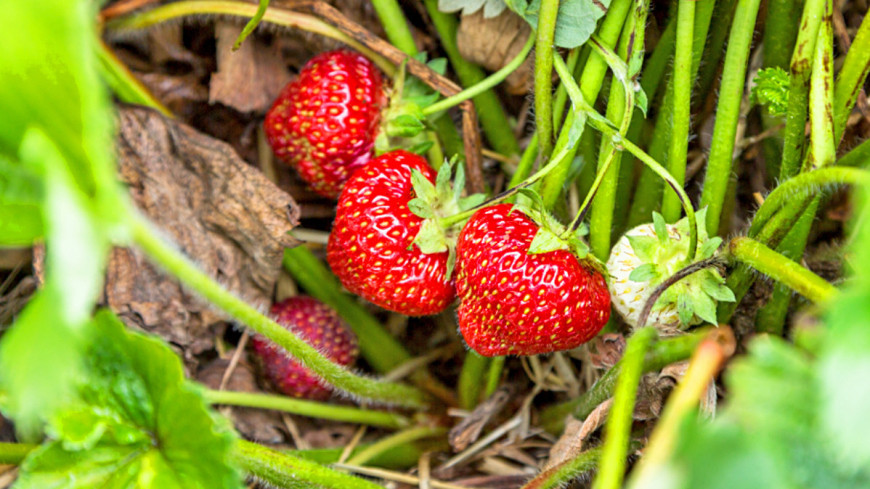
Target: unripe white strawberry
x=650, y=253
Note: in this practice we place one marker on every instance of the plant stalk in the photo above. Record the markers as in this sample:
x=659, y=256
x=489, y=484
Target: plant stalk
x=545, y=32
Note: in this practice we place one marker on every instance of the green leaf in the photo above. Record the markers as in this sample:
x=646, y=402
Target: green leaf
x=703, y=306
x=420, y=148
x=430, y=239
x=770, y=89
x=491, y=8
x=661, y=228
x=576, y=21
x=404, y=126
x=640, y=100
x=714, y=285
x=644, y=247
x=138, y=424
x=643, y=273
x=545, y=241
x=438, y=65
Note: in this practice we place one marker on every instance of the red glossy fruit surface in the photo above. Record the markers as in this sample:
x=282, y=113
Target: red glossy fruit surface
x=370, y=247
x=325, y=121
x=319, y=326
x=513, y=303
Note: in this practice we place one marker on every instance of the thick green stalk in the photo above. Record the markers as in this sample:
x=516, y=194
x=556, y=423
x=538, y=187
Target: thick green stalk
x=611, y=467
x=590, y=82
x=662, y=353
x=545, y=33
x=395, y=440
x=564, y=473
x=728, y=110
x=799, y=86
x=823, y=149
x=715, y=47
x=682, y=104
x=781, y=269
x=780, y=31
x=771, y=317
x=303, y=407
x=393, y=19
x=490, y=112
x=284, y=470
x=493, y=375
x=485, y=84
x=850, y=79
x=471, y=379
x=168, y=257
x=802, y=186
x=15, y=453
x=648, y=193
x=281, y=17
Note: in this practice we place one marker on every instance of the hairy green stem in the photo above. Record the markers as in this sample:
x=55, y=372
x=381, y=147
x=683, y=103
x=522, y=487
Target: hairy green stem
x=648, y=194
x=252, y=24
x=611, y=467
x=728, y=110
x=281, y=17
x=799, y=86
x=470, y=382
x=485, y=84
x=284, y=470
x=399, y=457
x=380, y=349
x=392, y=441
x=663, y=352
x=145, y=236
x=545, y=32
x=714, y=49
x=490, y=112
x=307, y=408
x=15, y=453
x=850, y=79
x=125, y=85
x=805, y=185
x=606, y=127
x=823, y=149
x=564, y=473
x=590, y=82
x=682, y=104
x=780, y=31
x=781, y=269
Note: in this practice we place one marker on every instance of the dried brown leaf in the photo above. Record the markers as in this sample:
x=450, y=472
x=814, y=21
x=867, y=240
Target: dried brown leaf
x=468, y=430
x=570, y=444
x=494, y=42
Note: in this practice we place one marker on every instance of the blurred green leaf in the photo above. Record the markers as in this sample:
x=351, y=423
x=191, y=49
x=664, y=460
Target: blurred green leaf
x=21, y=194
x=138, y=423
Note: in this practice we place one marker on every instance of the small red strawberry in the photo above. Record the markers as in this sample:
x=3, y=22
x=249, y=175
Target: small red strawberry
x=520, y=302
x=324, y=123
x=387, y=244
x=320, y=327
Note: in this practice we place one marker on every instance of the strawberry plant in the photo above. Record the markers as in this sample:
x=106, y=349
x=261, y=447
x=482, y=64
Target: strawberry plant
x=571, y=290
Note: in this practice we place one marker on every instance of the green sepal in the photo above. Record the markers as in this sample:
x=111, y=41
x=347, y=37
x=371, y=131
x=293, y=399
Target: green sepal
x=430, y=239
x=684, y=309
x=714, y=285
x=424, y=189
x=471, y=201
x=702, y=306
x=420, y=148
x=442, y=180
x=404, y=126
x=545, y=241
x=644, y=247
x=643, y=273
x=640, y=99
x=709, y=247
x=661, y=227
x=420, y=208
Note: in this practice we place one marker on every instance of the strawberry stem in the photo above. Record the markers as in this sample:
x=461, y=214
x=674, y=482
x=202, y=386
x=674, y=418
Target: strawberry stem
x=493, y=375
x=251, y=25
x=171, y=259
x=303, y=407
x=564, y=473
x=277, y=16
x=781, y=269
x=611, y=468
x=395, y=25
x=281, y=469
x=607, y=128
x=470, y=377
x=483, y=85
x=395, y=440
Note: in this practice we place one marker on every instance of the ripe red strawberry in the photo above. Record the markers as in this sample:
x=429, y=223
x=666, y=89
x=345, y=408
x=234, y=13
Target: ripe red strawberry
x=324, y=122
x=320, y=327
x=516, y=303
x=382, y=250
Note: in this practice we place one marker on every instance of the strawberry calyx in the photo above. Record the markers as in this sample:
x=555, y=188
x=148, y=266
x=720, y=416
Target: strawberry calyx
x=651, y=253
x=402, y=121
x=552, y=235
x=433, y=203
